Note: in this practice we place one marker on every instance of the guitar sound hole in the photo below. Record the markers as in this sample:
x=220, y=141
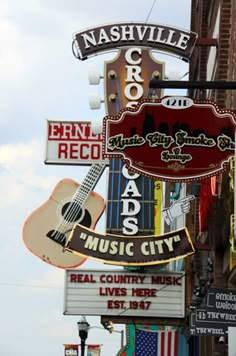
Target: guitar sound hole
x=72, y=212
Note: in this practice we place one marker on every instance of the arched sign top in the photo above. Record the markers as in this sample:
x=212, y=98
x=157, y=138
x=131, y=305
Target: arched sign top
x=161, y=37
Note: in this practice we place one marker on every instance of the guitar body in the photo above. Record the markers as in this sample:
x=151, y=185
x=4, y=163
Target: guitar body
x=46, y=229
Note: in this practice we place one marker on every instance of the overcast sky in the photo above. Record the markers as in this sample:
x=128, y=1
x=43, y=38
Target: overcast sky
x=41, y=79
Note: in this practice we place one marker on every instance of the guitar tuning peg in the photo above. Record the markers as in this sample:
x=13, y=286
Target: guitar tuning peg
x=156, y=75
x=112, y=74
x=173, y=75
x=94, y=76
x=112, y=97
x=95, y=101
x=96, y=126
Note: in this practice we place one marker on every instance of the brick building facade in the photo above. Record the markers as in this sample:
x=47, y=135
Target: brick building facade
x=214, y=19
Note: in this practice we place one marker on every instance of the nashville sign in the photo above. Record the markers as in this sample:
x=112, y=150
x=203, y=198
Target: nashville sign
x=130, y=251
x=188, y=139
x=101, y=38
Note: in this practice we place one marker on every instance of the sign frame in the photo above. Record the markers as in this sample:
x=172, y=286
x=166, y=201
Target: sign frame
x=123, y=250
x=122, y=293
x=72, y=143
x=173, y=150
x=98, y=39
x=206, y=327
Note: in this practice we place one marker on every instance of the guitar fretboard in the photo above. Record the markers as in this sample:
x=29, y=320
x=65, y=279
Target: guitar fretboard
x=89, y=183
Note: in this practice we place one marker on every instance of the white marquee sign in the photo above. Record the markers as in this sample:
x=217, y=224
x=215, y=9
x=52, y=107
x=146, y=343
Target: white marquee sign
x=122, y=293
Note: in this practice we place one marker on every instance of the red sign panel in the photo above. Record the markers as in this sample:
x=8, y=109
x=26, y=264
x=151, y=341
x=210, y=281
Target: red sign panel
x=173, y=138
x=73, y=142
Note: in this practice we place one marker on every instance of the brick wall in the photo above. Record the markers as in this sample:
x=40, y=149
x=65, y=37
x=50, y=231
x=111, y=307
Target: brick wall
x=203, y=17
x=224, y=71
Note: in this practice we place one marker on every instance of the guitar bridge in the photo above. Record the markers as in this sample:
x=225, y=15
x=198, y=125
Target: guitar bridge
x=57, y=237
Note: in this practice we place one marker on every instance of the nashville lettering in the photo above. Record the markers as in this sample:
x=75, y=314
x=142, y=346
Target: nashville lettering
x=139, y=34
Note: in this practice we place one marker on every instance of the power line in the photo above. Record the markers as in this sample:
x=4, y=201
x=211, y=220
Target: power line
x=150, y=11
x=158, y=290
x=27, y=285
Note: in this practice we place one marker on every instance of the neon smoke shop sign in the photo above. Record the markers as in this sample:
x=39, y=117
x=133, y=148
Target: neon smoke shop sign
x=101, y=38
x=175, y=138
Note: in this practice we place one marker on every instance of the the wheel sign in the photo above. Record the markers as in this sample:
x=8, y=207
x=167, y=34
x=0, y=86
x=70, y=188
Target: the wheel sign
x=174, y=138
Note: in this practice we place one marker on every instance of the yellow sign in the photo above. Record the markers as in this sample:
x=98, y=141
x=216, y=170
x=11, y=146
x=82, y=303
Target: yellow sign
x=158, y=206
x=232, y=252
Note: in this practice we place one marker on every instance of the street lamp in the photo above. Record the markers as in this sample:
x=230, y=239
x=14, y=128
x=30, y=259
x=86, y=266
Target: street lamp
x=83, y=327
x=108, y=325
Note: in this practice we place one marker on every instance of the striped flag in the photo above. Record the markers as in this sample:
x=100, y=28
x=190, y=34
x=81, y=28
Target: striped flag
x=93, y=350
x=156, y=342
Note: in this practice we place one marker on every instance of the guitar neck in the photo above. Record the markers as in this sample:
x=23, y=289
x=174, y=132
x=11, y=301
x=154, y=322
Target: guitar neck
x=89, y=183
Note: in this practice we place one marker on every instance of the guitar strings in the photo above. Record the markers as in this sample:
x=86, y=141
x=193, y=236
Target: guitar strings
x=119, y=96
x=79, y=198
x=119, y=106
x=74, y=209
x=112, y=182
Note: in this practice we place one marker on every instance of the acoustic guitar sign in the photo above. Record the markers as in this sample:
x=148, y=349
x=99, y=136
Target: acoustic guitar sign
x=174, y=138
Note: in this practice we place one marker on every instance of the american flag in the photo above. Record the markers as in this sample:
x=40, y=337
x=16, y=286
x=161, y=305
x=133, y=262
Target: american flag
x=156, y=342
